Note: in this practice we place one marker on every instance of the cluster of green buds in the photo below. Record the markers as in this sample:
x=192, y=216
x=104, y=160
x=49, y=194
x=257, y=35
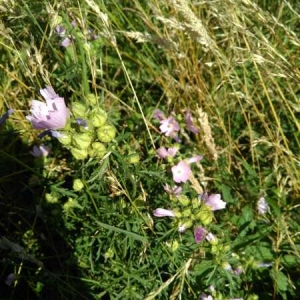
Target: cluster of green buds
x=191, y=213
x=89, y=130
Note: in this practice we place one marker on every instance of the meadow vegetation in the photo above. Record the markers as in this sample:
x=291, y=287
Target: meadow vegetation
x=168, y=164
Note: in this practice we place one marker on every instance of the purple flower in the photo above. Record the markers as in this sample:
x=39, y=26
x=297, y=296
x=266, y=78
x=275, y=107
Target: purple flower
x=181, y=172
x=50, y=115
x=174, y=191
x=60, y=30
x=66, y=41
x=262, y=206
x=189, y=122
x=40, y=151
x=169, y=126
x=162, y=152
x=158, y=115
x=161, y=212
x=199, y=234
x=92, y=35
x=214, y=201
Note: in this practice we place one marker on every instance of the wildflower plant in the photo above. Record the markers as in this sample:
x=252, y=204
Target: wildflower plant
x=162, y=163
x=84, y=133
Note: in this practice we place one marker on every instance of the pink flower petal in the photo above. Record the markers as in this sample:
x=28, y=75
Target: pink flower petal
x=50, y=115
x=161, y=212
x=195, y=159
x=214, y=201
x=181, y=172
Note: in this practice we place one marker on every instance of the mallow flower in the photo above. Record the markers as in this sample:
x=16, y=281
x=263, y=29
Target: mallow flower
x=173, y=191
x=199, y=234
x=189, y=122
x=161, y=212
x=169, y=126
x=40, y=151
x=162, y=152
x=182, y=171
x=214, y=201
x=50, y=115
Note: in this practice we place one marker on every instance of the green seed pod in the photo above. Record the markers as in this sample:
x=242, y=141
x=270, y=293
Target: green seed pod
x=77, y=185
x=79, y=154
x=106, y=133
x=98, y=117
x=133, y=158
x=98, y=149
x=195, y=203
x=184, y=200
x=65, y=139
x=50, y=198
x=91, y=99
x=185, y=225
x=205, y=215
x=82, y=140
x=79, y=110
x=187, y=212
x=177, y=212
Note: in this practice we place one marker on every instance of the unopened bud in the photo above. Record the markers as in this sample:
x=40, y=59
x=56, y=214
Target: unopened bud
x=98, y=117
x=98, y=149
x=133, y=158
x=50, y=198
x=205, y=215
x=91, y=99
x=79, y=153
x=106, y=133
x=186, y=212
x=82, y=140
x=78, y=185
x=79, y=110
x=65, y=139
x=184, y=200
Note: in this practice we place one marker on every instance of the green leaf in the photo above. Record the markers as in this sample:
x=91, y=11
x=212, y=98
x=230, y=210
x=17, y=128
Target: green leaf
x=281, y=281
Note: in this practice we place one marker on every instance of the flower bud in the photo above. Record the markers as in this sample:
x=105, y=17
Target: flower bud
x=177, y=213
x=98, y=149
x=133, y=158
x=50, y=198
x=226, y=266
x=187, y=212
x=195, y=203
x=79, y=153
x=79, y=110
x=174, y=245
x=71, y=203
x=82, y=140
x=106, y=133
x=91, y=99
x=184, y=200
x=98, y=117
x=205, y=215
x=184, y=226
x=77, y=185
x=65, y=139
